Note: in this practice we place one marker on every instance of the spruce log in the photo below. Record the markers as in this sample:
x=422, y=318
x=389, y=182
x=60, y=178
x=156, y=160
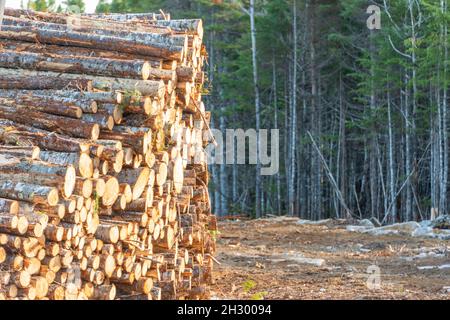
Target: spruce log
x=31, y=152
x=29, y=192
x=82, y=162
x=144, y=87
x=39, y=172
x=35, y=82
x=42, y=106
x=107, y=233
x=162, y=41
x=134, y=69
x=156, y=63
x=161, y=47
x=69, y=126
x=49, y=99
x=9, y=206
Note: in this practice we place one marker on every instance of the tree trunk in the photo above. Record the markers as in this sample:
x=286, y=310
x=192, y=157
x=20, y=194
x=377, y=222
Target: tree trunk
x=257, y=109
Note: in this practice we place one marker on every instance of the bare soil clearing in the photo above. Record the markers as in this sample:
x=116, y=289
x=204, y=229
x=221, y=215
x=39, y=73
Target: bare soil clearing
x=280, y=259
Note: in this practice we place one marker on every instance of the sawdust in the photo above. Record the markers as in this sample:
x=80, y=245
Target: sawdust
x=279, y=259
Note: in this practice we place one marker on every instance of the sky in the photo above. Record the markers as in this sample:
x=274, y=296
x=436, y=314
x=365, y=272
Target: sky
x=90, y=4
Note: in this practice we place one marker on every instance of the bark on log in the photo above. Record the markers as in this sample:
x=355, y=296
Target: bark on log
x=56, y=109
x=160, y=48
x=144, y=87
x=29, y=192
x=134, y=69
x=161, y=41
x=46, y=141
x=40, y=172
x=82, y=162
x=9, y=206
x=156, y=63
x=69, y=126
x=31, y=152
x=50, y=99
x=35, y=82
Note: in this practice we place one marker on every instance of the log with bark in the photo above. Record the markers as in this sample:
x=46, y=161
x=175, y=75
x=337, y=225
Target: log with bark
x=100, y=171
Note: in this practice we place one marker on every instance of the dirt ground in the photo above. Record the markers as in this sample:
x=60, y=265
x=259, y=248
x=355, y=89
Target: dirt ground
x=278, y=259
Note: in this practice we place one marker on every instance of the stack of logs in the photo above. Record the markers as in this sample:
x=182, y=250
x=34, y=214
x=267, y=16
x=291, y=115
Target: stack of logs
x=103, y=172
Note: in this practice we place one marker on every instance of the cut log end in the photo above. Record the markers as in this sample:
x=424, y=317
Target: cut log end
x=95, y=132
x=69, y=181
x=52, y=197
x=111, y=192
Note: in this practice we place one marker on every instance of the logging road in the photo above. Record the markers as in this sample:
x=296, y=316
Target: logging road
x=279, y=259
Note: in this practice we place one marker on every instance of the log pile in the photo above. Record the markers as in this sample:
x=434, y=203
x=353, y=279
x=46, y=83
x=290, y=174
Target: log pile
x=103, y=172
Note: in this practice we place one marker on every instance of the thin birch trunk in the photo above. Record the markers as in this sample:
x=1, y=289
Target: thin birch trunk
x=257, y=108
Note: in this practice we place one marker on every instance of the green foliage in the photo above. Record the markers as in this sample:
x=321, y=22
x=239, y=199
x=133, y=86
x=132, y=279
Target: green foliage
x=41, y=5
x=249, y=285
x=103, y=6
x=259, y=295
x=74, y=6
x=96, y=203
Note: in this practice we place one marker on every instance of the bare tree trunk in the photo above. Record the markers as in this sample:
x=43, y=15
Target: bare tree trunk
x=316, y=175
x=214, y=172
x=391, y=165
x=223, y=174
x=342, y=154
x=408, y=166
x=257, y=108
x=373, y=138
x=444, y=178
x=286, y=136
x=293, y=113
x=275, y=103
x=414, y=106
